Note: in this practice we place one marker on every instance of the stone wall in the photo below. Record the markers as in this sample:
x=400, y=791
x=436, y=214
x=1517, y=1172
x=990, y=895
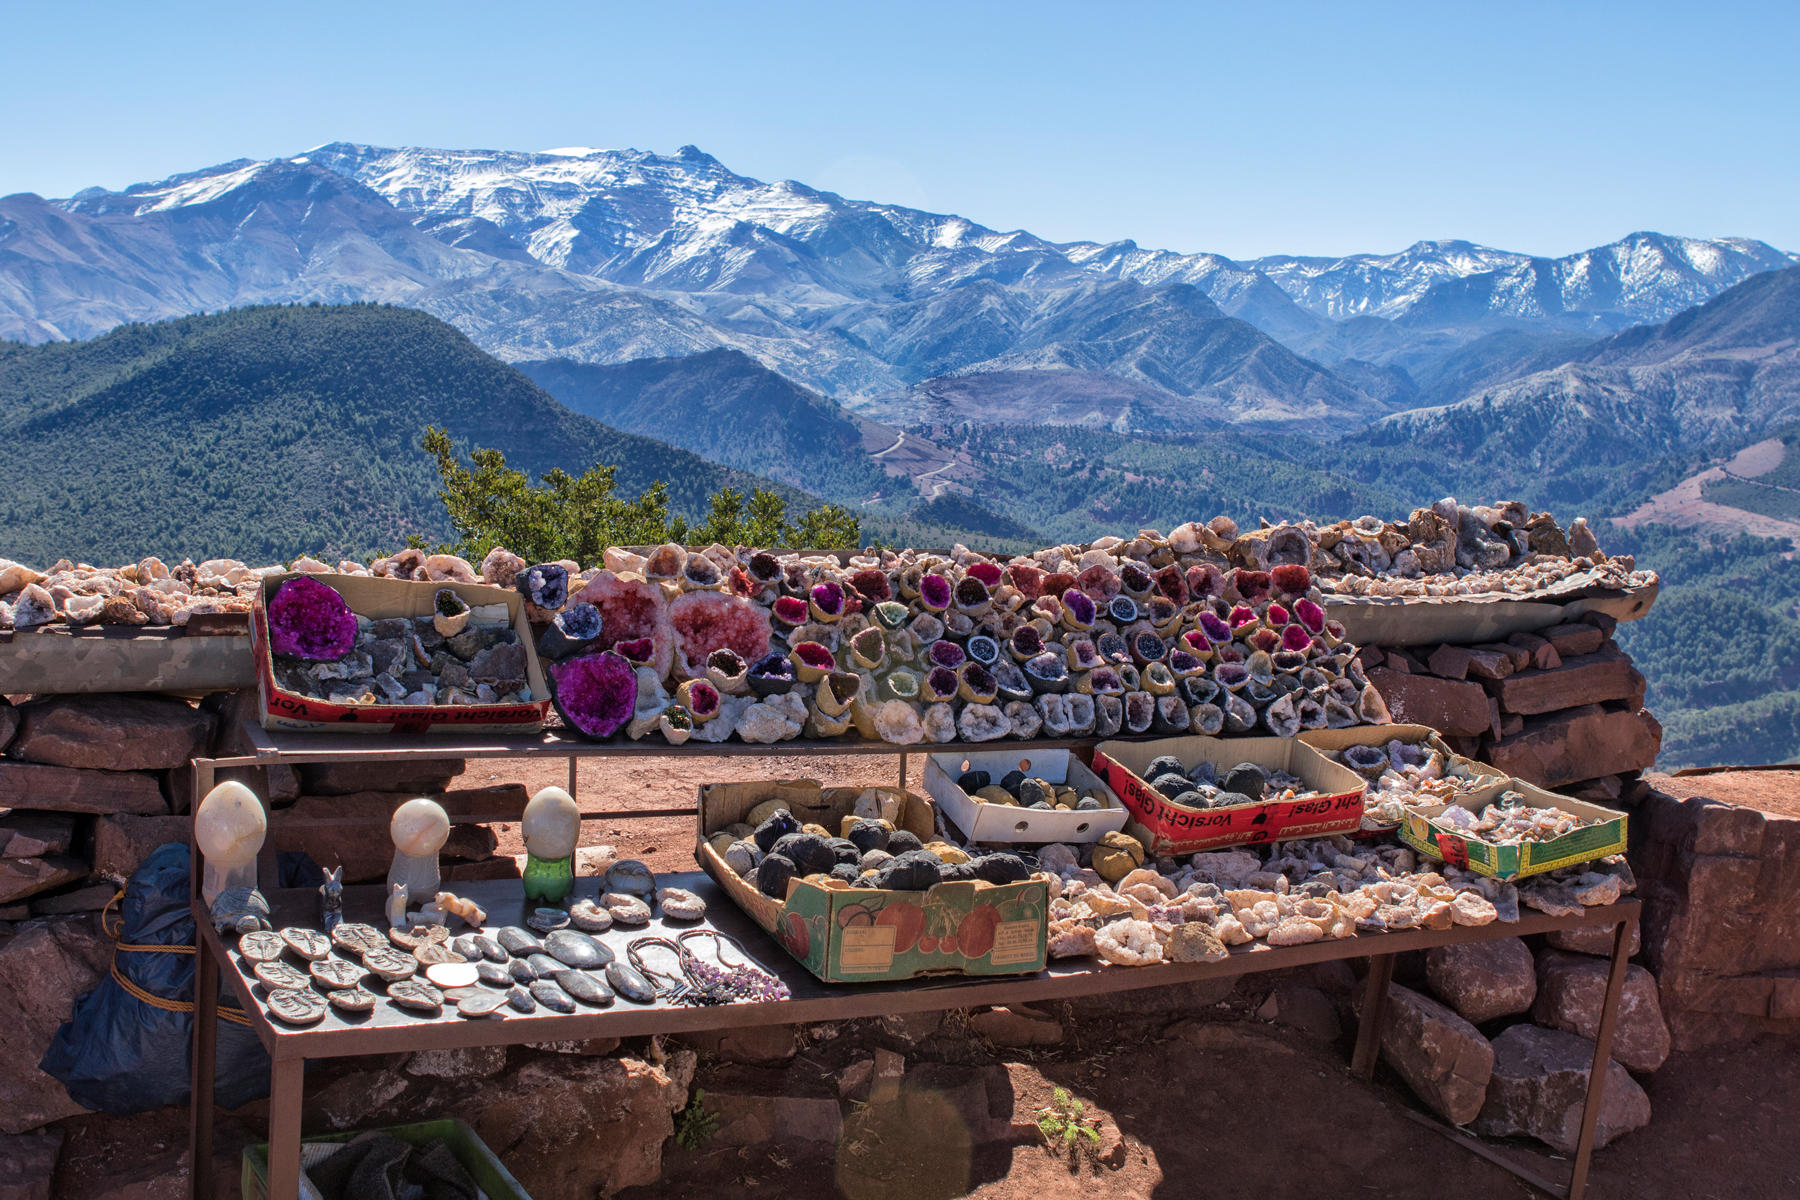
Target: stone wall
x=1562, y=708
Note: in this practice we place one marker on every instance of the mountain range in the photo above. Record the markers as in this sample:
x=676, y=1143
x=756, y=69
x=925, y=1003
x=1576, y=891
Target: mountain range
x=604, y=257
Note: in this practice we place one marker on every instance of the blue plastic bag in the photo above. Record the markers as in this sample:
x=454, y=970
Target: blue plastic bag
x=120, y=1054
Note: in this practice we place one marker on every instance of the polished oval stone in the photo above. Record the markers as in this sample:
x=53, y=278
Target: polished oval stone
x=518, y=943
x=521, y=971
x=489, y=949
x=466, y=945
x=546, y=993
x=261, y=946
x=521, y=1000
x=296, y=1007
x=336, y=974
x=278, y=976
x=352, y=1000
x=629, y=982
x=493, y=974
x=307, y=943
x=585, y=988
x=577, y=949
x=543, y=966
x=481, y=1004
x=415, y=994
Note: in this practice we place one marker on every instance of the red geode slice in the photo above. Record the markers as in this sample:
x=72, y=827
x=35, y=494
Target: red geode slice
x=1291, y=579
x=638, y=651
x=1253, y=586
x=1295, y=637
x=989, y=573
x=1310, y=615
x=1100, y=582
x=1172, y=583
x=1029, y=580
x=1241, y=616
x=872, y=585
x=791, y=611
x=1266, y=640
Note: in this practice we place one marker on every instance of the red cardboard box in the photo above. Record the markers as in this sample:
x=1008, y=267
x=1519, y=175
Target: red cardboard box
x=1335, y=805
x=377, y=598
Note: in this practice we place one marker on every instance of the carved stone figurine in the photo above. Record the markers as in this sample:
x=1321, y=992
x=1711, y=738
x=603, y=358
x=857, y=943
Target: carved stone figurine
x=331, y=899
x=419, y=829
x=551, y=826
x=229, y=827
x=396, y=906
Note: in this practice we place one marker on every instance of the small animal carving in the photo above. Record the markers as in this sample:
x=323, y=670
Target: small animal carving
x=471, y=913
x=331, y=898
x=240, y=910
x=396, y=905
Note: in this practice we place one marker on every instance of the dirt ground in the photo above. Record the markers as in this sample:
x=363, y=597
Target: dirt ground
x=1771, y=791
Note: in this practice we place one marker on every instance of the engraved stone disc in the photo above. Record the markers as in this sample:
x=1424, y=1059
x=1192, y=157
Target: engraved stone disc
x=456, y=995
x=390, y=964
x=307, y=943
x=358, y=938
x=419, y=935
x=278, y=976
x=415, y=994
x=437, y=952
x=295, y=1006
x=334, y=974
x=353, y=1000
x=261, y=947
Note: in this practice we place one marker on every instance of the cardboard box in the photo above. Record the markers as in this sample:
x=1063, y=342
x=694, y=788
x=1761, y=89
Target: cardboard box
x=981, y=822
x=1422, y=833
x=378, y=598
x=1330, y=742
x=1335, y=805
x=859, y=935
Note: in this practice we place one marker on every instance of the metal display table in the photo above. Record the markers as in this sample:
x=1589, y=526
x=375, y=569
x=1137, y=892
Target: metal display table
x=387, y=1030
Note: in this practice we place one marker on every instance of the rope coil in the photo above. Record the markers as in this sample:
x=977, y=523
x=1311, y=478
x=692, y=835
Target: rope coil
x=234, y=1015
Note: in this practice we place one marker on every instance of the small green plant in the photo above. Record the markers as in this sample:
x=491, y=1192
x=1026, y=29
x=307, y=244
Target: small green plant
x=695, y=1124
x=1065, y=1128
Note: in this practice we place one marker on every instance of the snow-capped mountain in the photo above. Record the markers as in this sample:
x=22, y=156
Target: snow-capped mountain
x=608, y=256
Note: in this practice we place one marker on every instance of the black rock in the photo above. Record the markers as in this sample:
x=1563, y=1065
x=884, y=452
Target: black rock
x=629, y=983
x=518, y=942
x=973, y=781
x=585, y=988
x=577, y=949
x=521, y=999
x=774, y=829
x=1248, y=779
x=493, y=974
x=902, y=840
x=546, y=993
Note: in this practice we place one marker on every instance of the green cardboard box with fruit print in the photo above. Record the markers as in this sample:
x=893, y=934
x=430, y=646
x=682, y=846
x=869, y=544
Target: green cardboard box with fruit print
x=857, y=935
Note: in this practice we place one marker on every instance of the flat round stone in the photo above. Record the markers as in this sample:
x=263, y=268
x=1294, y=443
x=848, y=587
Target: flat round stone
x=629, y=982
x=517, y=942
x=577, y=949
x=334, y=974
x=431, y=953
x=352, y=1000
x=493, y=974
x=414, y=936
x=278, y=976
x=309, y=944
x=589, y=917
x=261, y=946
x=296, y=1006
x=452, y=975
x=455, y=995
x=415, y=994
x=585, y=988
x=358, y=938
x=481, y=1004
x=391, y=964
x=552, y=997
x=545, y=920
x=521, y=1000
x=543, y=966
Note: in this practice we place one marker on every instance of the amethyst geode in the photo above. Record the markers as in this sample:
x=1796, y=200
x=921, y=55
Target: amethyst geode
x=310, y=620
x=595, y=693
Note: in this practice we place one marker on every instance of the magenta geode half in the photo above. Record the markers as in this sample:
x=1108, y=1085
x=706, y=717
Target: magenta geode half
x=1310, y=615
x=828, y=599
x=636, y=651
x=1214, y=627
x=310, y=620
x=1080, y=606
x=1276, y=616
x=1027, y=641
x=595, y=693
x=1241, y=616
x=1295, y=637
x=989, y=573
x=790, y=610
x=945, y=654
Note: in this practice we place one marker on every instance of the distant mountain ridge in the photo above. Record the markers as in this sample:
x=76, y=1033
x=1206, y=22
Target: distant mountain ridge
x=611, y=256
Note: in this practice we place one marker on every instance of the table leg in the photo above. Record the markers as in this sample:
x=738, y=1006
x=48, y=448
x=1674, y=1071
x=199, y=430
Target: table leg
x=903, y=770
x=286, y=1075
x=1603, y=1038
x=200, y=1103
x=1374, y=1008
x=574, y=792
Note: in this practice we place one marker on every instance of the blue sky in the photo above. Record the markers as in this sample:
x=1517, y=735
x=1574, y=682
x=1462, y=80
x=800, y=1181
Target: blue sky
x=1244, y=129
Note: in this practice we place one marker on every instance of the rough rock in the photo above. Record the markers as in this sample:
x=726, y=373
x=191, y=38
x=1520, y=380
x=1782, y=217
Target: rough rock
x=1579, y=744
x=1483, y=980
x=44, y=966
x=591, y=1047
x=122, y=842
x=81, y=900
x=31, y=834
x=1540, y=653
x=415, y=778
x=1442, y=1057
x=912, y=1028
x=9, y=723
x=115, y=732
x=23, y=877
x=364, y=851
x=753, y=1120
x=755, y=1044
x=1540, y=1084
x=70, y=789
x=1592, y=939
x=1494, y=662
x=571, y=1128
x=1604, y=675
x=462, y=1062
x=1152, y=1001
x=1016, y=1026
x=1571, y=990
x=1450, y=707
x=945, y=1100
x=28, y=1164
x=1306, y=1010
x=1574, y=639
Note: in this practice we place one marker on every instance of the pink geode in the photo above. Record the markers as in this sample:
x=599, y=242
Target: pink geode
x=709, y=621
x=631, y=609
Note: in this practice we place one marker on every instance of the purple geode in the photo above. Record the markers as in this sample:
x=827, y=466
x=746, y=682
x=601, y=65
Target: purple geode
x=310, y=620
x=545, y=585
x=1081, y=607
x=595, y=693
